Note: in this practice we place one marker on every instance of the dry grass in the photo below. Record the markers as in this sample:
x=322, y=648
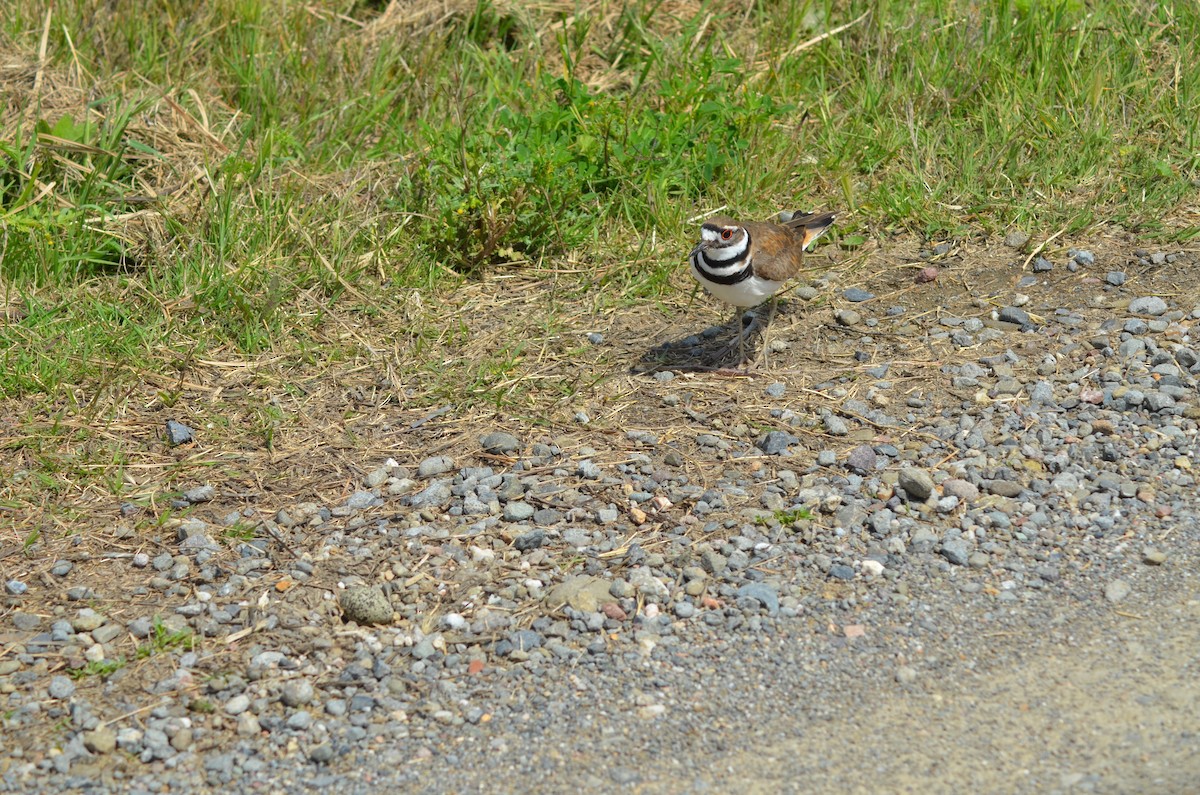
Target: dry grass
x=430, y=373
x=609, y=33
x=168, y=144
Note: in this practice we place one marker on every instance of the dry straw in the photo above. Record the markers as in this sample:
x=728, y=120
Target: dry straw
x=170, y=141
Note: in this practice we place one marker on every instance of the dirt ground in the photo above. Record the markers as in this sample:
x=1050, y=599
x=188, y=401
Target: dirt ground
x=514, y=355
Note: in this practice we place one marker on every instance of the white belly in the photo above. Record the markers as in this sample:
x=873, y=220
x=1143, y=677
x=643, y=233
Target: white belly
x=748, y=292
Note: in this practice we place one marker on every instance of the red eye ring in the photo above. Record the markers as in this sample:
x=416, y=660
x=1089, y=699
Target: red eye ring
x=726, y=234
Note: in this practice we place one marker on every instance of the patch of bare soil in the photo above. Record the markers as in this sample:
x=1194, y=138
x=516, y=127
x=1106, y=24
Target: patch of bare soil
x=430, y=373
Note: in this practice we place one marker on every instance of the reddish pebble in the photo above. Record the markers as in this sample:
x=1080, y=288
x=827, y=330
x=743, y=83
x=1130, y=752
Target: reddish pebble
x=711, y=603
x=1091, y=396
x=474, y=667
x=1162, y=511
x=613, y=610
x=927, y=275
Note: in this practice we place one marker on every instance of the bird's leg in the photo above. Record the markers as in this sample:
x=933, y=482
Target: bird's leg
x=766, y=327
x=745, y=329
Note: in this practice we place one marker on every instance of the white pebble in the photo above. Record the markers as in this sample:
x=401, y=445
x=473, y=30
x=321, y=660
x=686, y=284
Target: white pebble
x=872, y=567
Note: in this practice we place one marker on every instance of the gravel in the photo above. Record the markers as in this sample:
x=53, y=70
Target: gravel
x=475, y=619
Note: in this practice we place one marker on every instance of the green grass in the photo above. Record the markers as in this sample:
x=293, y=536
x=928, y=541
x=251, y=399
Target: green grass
x=101, y=668
x=161, y=640
x=787, y=517
x=311, y=163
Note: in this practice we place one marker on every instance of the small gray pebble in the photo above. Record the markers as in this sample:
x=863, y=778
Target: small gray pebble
x=835, y=425
x=847, y=317
x=1042, y=265
x=589, y=469
x=955, y=551
x=762, y=593
x=1115, y=278
x=1011, y=314
x=238, y=704
x=1016, y=238
x=424, y=649
x=1148, y=305
x=297, y=693
x=775, y=442
x=300, y=720
x=140, y=627
x=1042, y=393
x=917, y=483
x=840, y=571
x=526, y=639
x=530, y=540
x=360, y=500
x=663, y=376
x=518, y=511
x=595, y=338
x=178, y=433
x=435, y=465
x=500, y=443
x=61, y=687
x=857, y=295
x=200, y=494
x=776, y=390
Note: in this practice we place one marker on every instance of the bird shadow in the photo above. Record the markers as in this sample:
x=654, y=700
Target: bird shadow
x=714, y=349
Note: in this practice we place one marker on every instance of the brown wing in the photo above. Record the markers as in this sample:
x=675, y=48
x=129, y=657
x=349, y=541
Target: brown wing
x=779, y=249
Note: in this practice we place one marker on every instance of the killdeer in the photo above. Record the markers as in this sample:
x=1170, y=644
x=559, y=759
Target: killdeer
x=746, y=262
